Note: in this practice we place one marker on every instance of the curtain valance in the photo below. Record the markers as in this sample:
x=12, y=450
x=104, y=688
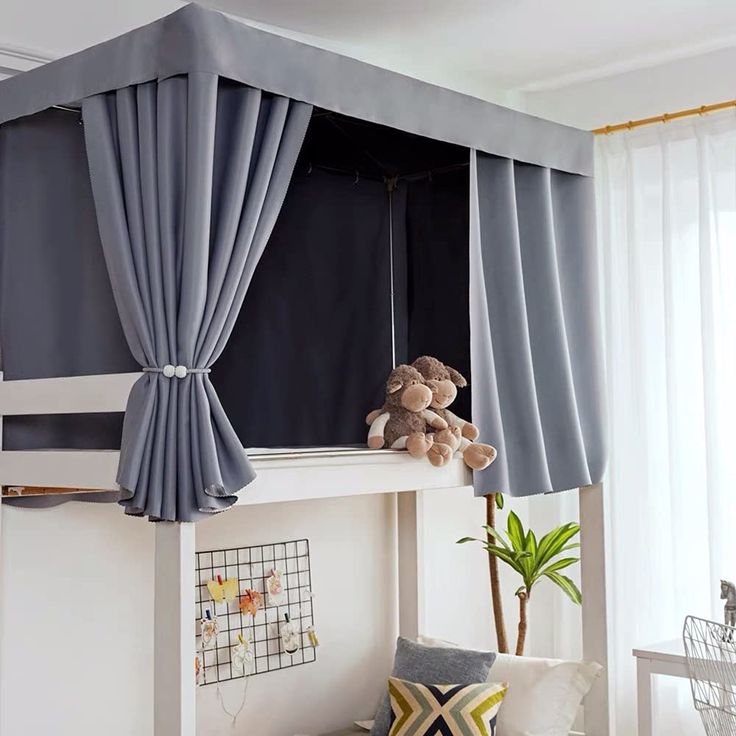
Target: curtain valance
x=196, y=39
x=535, y=328
x=188, y=176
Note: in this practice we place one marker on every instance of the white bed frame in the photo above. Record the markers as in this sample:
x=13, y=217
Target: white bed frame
x=282, y=476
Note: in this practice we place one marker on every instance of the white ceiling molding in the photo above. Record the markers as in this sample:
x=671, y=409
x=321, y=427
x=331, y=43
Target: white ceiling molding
x=15, y=59
x=632, y=64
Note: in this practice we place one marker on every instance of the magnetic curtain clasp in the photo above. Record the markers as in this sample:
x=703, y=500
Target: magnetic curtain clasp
x=169, y=371
x=180, y=371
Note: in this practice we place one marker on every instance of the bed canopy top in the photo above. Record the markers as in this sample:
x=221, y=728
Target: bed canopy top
x=196, y=39
x=193, y=129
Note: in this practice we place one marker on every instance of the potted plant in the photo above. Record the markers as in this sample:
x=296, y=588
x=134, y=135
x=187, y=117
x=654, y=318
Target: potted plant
x=533, y=560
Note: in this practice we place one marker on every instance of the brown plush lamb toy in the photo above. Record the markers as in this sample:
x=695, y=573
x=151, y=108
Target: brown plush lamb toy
x=404, y=416
x=459, y=435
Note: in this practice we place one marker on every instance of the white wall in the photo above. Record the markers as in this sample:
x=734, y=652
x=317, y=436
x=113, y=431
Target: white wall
x=76, y=632
x=677, y=85
x=457, y=588
x=76, y=644
x=353, y=559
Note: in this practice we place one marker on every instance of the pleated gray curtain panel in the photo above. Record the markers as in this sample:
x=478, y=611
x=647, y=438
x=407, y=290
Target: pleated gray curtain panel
x=188, y=175
x=537, y=370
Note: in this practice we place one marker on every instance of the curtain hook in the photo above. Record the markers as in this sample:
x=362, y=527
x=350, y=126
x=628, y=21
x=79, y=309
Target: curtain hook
x=357, y=177
x=309, y=170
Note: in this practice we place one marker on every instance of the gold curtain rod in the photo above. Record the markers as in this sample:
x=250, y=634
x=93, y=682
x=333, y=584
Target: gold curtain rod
x=702, y=110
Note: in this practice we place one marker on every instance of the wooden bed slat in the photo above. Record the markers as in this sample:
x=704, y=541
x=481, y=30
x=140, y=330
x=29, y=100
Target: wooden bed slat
x=67, y=395
x=15, y=491
x=280, y=477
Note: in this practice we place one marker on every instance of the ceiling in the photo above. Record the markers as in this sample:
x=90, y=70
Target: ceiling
x=504, y=44
x=489, y=48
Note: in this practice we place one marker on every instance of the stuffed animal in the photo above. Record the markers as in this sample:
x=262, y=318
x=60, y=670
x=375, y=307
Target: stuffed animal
x=402, y=421
x=459, y=435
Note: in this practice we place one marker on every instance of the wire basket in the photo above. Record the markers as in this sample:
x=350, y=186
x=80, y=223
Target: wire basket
x=710, y=652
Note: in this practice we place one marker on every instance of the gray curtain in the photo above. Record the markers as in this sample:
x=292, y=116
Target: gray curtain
x=188, y=176
x=535, y=329
x=197, y=38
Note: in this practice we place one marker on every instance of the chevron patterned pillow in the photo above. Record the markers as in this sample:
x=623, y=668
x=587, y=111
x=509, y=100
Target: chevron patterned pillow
x=444, y=710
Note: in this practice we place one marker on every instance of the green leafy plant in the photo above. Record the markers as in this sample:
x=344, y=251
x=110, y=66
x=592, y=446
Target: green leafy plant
x=533, y=560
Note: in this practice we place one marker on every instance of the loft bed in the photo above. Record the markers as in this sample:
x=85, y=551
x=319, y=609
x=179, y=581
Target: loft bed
x=296, y=222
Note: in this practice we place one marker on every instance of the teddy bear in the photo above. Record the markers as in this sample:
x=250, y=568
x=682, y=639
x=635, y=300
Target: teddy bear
x=402, y=421
x=460, y=434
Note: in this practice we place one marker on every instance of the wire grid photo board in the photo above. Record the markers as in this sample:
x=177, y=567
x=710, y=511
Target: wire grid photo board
x=252, y=566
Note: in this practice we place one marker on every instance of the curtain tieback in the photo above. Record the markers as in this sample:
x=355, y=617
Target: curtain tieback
x=180, y=371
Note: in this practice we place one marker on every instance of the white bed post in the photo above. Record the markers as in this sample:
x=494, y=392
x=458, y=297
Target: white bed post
x=410, y=563
x=174, y=682
x=595, y=617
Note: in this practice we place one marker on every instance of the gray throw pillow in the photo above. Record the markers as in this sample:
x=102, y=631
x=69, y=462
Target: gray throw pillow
x=432, y=666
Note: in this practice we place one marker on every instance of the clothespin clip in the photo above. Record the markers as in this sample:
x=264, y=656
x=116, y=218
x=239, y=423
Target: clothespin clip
x=312, y=636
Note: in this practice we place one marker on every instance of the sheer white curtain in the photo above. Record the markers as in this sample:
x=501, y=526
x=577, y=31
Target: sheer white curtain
x=667, y=218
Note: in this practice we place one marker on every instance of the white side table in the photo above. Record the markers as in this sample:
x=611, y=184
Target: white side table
x=666, y=658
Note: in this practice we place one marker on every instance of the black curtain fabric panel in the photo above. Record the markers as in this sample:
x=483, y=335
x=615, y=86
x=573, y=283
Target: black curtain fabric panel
x=312, y=347
x=437, y=226
x=57, y=314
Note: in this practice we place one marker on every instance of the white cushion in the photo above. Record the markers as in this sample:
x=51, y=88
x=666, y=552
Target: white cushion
x=544, y=694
